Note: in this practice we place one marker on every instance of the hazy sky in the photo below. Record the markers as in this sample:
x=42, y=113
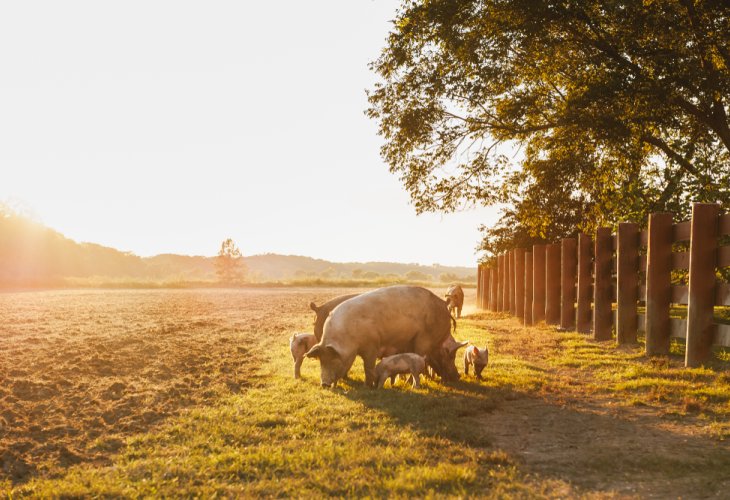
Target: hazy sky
x=167, y=126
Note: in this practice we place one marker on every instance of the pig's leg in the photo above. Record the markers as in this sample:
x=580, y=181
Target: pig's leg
x=392, y=380
x=368, y=360
x=458, y=312
x=298, y=366
x=381, y=380
x=416, y=380
x=466, y=365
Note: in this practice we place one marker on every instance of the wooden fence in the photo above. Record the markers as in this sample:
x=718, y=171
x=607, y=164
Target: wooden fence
x=578, y=283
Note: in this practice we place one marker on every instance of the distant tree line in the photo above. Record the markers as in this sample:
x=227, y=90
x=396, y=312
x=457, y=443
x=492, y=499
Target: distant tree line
x=362, y=275
x=34, y=255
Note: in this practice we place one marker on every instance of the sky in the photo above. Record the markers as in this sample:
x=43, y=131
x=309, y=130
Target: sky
x=168, y=126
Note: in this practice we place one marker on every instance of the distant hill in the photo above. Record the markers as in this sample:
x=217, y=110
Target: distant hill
x=34, y=255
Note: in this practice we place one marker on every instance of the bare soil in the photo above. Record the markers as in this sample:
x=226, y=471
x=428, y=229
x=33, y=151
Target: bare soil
x=81, y=371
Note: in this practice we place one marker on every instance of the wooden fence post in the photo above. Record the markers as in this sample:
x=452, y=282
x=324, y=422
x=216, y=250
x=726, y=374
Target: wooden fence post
x=485, y=287
x=500, y=290
x=702, y=261
x=602, y=293
x=568, y=267
x=528, y=289
x=520, y=284
x=479, y=286
x=505, y=287
x=627, y=287
x=538, y=283
x=493, y=292
x=511, y=281
x=583, y=315
x=552, y=284
x=658, y=283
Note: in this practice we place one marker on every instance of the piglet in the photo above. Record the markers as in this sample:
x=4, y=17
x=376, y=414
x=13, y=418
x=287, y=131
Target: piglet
x=473, y=356
x=300, y=344
x=407, y=363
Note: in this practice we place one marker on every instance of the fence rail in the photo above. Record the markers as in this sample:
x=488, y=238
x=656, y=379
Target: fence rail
x=577, y=282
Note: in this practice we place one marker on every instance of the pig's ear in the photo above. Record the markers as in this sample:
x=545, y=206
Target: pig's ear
x=459, y=345
x=315, y=352
x=332, y=351
x=476, y=350
x=313, y=307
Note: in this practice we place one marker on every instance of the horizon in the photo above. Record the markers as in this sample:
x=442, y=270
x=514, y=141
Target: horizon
x=29, y=218
x=207, y=124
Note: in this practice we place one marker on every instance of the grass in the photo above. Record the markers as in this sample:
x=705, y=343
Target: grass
x=557, y=416
x=292, y=438
x=660, y=382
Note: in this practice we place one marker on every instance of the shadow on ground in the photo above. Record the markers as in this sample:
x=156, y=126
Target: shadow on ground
x=596, y=446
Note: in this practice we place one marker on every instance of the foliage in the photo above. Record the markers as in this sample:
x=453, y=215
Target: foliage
x=448, y=277
x=328, y=273
x=614, y=115
x=418, y=276
x=229, y=264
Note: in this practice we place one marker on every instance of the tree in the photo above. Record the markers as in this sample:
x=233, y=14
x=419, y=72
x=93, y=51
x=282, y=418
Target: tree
x=448, y=277
x=229, y=263
x=418, y=276
x=328, y=273
x=614, y=115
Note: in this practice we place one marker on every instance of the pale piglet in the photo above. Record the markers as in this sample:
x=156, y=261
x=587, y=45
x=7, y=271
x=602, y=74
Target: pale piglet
x=300, y=344
x=478, y=358
x=400, y=364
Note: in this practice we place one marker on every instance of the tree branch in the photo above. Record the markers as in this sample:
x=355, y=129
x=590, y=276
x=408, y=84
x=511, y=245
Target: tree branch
x=671, y=153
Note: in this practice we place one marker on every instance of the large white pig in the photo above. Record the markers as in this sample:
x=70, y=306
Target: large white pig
x=392, y=319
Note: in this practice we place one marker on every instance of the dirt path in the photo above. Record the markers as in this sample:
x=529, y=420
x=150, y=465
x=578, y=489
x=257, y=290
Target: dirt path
x=627, y=451
x=571, y=431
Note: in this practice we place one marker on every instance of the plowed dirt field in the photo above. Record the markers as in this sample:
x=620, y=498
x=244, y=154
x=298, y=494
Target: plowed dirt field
x=82, y=370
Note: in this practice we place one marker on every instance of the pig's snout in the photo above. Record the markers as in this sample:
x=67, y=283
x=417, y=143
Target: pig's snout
x=327, y=386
